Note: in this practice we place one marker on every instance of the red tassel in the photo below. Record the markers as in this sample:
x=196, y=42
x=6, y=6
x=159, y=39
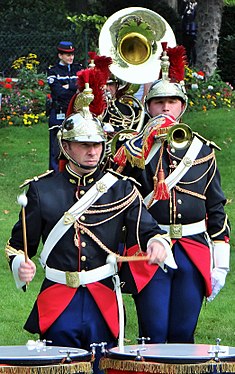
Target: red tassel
x=120, y=157
x=161, y=191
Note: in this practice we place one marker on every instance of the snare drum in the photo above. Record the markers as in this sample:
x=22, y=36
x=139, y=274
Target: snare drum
x=169, y=359
x=44, y=360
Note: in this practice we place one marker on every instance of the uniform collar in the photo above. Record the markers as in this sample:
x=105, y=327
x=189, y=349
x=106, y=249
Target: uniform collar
x=84, y=180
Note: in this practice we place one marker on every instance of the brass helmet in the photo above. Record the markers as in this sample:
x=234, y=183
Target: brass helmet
x=163, y=88
x=171, y=83
x=76, y=128
x=81, y=125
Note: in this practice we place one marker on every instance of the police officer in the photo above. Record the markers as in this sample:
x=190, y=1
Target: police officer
x=62, y=81
x=80, y=214
x=180, y=184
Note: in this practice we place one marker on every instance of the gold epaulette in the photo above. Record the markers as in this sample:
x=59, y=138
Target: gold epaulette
x=207, y=142
x=36, y=178
x=10, y=251
x=124, y=177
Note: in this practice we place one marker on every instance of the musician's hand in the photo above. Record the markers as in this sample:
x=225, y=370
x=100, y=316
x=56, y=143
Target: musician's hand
x=156, y=252
x=26, y=271
x=218, y=277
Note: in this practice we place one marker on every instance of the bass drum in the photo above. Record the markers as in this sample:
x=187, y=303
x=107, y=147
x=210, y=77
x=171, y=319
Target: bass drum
x=44, y=359
x=170, y=359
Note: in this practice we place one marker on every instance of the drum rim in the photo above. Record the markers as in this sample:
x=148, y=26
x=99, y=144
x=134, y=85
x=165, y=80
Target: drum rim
x=76, y=355
x=114, y=354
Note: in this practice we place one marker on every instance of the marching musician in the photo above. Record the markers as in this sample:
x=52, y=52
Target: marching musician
x=79, y=214
x=62, y=79
x=180, y=184
x=119, y=115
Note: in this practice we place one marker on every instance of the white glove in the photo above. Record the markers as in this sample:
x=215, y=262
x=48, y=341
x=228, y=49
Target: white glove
x=218, y=277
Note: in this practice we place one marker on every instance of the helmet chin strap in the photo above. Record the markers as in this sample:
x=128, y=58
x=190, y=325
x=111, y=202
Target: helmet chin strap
x=81, y=166
x=69, y=158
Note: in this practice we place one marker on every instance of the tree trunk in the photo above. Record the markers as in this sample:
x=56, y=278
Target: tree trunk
x=209, y=16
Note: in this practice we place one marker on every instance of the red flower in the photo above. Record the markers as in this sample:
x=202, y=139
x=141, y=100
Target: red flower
x=201, y=73
x=8, y=80
x=8, y=85
x=41, y=83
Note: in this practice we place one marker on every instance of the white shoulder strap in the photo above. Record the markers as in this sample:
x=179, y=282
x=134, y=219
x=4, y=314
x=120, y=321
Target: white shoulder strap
x=182, y=168
x=67, y=220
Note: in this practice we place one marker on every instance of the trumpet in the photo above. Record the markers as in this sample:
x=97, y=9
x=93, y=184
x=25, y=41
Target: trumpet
x=180, y=136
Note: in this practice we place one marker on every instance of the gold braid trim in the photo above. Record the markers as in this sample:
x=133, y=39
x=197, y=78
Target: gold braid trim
x=10, y=251
x=225, y=225
x=51, y=369
x=195, y=194
x=212, y=176
x=120, y=208
x=116, y=202
x=204, y=159
x=104, y=247
x=198, y=161
x=156, y=368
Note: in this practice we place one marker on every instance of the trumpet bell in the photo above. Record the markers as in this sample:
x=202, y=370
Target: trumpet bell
x=180, y=136
x=132, y=37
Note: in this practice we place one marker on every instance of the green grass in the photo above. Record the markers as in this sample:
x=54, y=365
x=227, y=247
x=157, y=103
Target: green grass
x=24, y=154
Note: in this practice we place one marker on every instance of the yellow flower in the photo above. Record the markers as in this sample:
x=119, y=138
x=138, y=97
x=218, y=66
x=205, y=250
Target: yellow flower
x=32, y=55
x=29, y=66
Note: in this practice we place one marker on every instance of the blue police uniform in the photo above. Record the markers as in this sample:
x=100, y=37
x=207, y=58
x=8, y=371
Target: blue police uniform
x=58, y=76
x=79, y=316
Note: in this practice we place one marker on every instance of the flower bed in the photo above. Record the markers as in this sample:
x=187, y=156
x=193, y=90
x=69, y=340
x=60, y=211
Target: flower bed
x=211, y=93
x=23, y=100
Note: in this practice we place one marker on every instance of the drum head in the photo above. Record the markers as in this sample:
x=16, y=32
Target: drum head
x=173, y=353
x=47, y=355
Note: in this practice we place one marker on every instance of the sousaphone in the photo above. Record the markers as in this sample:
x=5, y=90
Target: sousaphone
x=133, y=38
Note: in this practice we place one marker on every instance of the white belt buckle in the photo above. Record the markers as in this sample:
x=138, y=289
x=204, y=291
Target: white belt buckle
x=72, y=279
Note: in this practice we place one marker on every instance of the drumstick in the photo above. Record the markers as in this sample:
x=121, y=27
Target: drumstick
x=22, y=200
x=132, y=258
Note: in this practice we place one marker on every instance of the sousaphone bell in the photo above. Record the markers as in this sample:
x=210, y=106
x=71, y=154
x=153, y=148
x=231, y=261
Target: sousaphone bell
x=133, y=38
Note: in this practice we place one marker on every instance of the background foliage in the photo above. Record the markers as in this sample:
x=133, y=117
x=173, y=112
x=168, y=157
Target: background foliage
x=25, y=28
